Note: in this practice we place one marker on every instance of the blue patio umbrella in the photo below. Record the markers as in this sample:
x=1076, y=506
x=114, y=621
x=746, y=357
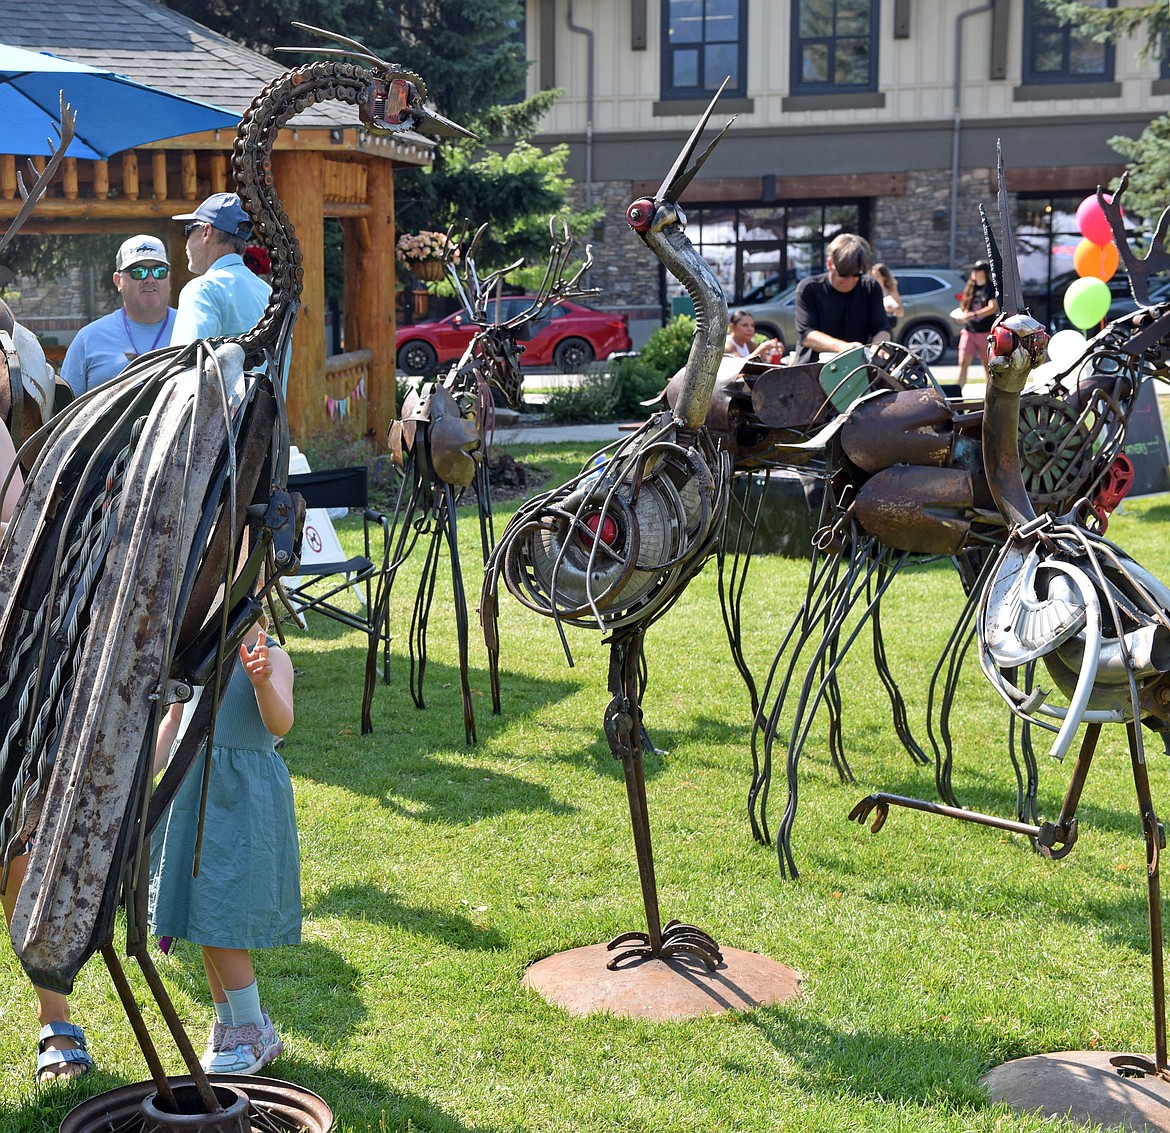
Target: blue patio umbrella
x=113, y=113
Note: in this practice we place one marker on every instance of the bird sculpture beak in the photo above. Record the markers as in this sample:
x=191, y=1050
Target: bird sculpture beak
x=1005, y=268
x=679, y=177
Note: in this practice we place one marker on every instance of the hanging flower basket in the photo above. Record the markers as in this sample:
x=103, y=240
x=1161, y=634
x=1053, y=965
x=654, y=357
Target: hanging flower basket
x=420, y=252
x=429, y=270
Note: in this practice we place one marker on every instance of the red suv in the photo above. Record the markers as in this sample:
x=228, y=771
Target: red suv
x=567, y=336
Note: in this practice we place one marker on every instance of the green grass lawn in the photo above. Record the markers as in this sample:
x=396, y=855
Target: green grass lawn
x=433, y=874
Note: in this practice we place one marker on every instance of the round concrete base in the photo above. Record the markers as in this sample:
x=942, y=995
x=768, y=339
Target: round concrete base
x=678, y=988
x=1084, y=1086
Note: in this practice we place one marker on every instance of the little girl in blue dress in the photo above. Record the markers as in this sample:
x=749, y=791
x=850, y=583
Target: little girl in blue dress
x=248, y=892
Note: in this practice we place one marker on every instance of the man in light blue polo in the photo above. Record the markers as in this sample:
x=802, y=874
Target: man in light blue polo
x=225, y=297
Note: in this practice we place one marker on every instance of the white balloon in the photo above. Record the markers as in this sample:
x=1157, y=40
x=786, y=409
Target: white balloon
x=1065, y=347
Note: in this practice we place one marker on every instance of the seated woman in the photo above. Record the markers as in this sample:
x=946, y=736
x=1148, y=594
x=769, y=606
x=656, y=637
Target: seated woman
x=891, y=300
x=741, y=331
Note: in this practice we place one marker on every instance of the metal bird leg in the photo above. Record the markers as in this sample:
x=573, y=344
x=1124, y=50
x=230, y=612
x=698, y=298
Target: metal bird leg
x=623, y=731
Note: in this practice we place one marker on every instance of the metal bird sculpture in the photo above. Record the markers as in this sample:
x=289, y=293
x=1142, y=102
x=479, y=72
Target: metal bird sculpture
x=615, y=547
x=1061, y=597
x=120, y=591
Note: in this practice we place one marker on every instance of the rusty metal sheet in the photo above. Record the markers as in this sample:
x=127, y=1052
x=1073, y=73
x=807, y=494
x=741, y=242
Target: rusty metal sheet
x=907, y=427
x=923, y=510
x=75, y=859
x=790, y=397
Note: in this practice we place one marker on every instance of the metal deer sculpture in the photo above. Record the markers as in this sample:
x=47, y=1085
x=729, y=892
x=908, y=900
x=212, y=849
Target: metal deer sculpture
x=441, y=443
x=1062, y=599
x=901, y=471
x=615, y=547
x=119, y=587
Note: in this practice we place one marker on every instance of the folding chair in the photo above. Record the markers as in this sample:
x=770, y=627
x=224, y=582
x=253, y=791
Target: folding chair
x=319, y=586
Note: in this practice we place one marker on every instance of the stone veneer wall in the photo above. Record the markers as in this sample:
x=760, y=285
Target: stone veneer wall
x=906, y=230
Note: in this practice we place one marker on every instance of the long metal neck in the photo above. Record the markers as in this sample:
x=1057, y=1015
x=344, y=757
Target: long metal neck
x=283, y=98
x=675, y=250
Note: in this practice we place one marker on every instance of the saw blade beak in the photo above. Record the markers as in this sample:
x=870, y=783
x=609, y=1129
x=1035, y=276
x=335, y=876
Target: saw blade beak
x=431, y=123
x=679, y=176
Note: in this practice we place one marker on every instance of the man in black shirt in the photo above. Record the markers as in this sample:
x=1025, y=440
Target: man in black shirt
x=843, y=307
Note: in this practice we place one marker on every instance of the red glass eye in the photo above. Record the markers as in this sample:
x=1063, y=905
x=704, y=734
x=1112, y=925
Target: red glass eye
x=640, y=214
x=1003, y=341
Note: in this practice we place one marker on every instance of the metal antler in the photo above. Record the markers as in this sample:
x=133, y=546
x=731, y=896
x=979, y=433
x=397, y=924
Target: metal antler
x=41, y=180
x=1140, y=268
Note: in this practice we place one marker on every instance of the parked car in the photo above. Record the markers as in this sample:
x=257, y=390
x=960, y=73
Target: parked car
x=567, y=336
x=929, y=295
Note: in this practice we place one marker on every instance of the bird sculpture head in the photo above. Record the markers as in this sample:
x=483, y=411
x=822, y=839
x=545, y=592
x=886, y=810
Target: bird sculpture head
x=660, y=224
x=396, y=98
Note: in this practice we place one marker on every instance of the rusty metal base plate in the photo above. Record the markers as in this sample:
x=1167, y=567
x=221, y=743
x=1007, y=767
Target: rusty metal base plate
x=1084, y=1086
x=274, y=1107
x=678, y=988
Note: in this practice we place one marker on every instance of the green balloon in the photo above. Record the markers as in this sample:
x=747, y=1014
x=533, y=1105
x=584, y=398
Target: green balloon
x=1086, y=301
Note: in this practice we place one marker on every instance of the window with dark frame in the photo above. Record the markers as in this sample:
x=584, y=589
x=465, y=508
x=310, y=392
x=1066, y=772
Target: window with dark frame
x=756, y=251
x=703, y=43
x=834, y=46
x=1062, y=54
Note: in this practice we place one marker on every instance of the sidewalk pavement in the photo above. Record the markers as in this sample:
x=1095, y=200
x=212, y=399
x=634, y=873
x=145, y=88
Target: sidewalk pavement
x=511, y=429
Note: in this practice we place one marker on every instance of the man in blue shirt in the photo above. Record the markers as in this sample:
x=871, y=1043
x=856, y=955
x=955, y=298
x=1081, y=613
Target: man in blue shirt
x=225, y=298
x=103, y=349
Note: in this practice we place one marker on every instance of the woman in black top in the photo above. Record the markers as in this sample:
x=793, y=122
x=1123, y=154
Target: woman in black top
x=979, y=308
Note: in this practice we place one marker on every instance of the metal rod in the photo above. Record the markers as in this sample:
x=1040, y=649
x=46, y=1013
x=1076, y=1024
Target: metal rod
x=138, y=1025
x=167, y=1009
x=1153, y=835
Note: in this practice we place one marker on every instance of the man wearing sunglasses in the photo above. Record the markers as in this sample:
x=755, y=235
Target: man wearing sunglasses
x=104, y=348
x=225, y=297
x=843, y=307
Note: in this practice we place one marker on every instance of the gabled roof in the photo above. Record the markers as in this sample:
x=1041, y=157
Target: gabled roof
x=149, y=43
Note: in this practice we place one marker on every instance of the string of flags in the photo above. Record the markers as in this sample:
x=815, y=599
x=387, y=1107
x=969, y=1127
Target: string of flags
x=338, y=408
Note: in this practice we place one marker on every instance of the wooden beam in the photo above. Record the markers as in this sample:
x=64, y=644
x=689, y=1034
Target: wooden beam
x=1058, y=178
x=299, y=181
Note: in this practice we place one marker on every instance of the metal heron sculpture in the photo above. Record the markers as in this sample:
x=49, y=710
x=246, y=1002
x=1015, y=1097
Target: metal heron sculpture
x=614, y=547
x=120, y=592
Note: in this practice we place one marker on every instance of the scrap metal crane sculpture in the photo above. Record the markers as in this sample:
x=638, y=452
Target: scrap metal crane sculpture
x=1061, y=597
x=615, y=547
x=902, y=478
x=441, y=443
x=119, y=587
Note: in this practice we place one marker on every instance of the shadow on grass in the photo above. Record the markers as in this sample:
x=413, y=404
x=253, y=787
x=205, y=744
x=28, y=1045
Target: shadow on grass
x=288, y=978
x=368, y=903
x=928, y=1070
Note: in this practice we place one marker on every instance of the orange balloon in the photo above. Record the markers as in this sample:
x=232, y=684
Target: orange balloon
x=1096, y=261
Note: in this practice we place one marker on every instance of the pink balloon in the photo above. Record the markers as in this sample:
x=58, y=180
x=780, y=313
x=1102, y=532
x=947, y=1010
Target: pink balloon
x=1092, y=221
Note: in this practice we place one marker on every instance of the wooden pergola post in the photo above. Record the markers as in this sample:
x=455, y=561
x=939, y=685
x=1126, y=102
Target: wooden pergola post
x=300, y=181
x=373, y=281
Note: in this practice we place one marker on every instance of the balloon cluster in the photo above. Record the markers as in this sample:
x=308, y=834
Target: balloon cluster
x=1095, y=258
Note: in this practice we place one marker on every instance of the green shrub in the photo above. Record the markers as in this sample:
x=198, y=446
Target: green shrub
x=595, y=399
x=644, y=375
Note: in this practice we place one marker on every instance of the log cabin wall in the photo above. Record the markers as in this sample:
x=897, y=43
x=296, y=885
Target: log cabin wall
x=345, y=174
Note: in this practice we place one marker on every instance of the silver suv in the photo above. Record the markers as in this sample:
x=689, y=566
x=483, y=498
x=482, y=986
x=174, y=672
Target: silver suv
x=929, y=295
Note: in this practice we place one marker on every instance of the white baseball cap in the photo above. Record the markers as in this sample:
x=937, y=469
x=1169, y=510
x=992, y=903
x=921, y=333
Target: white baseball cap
x=141, y=249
